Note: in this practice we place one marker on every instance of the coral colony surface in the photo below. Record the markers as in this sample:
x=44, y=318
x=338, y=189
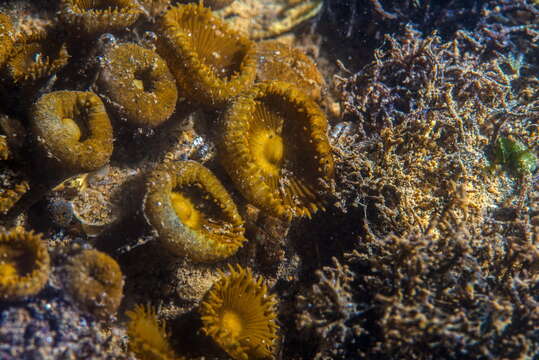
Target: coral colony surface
x=269, y=179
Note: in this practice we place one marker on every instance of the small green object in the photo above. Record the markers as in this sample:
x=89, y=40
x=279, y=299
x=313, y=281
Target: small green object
x=514, y=155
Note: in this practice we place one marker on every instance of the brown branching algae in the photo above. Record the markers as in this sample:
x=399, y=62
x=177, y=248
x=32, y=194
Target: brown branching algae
x=73, y=129
x=439, y=123
x=24, y=264
x=98, y=16
x=211, y=62
x=192, y=212
x=467, y=294
x=275, y=148
x=239, y=314
x=148, y=338
x=328, y=308
x=95, y=281
x=138, y=84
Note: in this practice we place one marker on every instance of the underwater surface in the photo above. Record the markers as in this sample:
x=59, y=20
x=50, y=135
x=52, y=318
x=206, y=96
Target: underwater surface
x=269, y=179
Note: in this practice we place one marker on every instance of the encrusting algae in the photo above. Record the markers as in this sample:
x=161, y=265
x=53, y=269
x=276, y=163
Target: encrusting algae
x=211, y=62
x=275, y=148
x=138, y=84
x=240, y=315
x=73, y=128
x=192, y=212
x=91, y=17
x=148, y=338
x=95, y=281
x=24, y=264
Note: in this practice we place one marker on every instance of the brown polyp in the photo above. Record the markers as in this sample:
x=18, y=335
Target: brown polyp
x=36, y=57
x=73, y=129
x=95, y=281
x=148, y=338
x=278, y=61
x=24, y=264
x=138, y=84
x=210, y=61
x=192, y=212
x=275, y=148
x=92, y=17
x=7, y=37
x=239, y=314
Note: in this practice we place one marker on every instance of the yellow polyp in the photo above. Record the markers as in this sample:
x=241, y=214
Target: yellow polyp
x=8, y=273
x=95, y=282
x=36, y=57
x=278, y=61
x=211, y=62
x=231, y=323
x=267, y=148
x=9, y=197
x=192, y=212
x=139, y=84
x=6, y=37
x=274, y=149
x=83, y=117
x=148, y=338
x=274, y=146
x=4, y=148
x=71, y=128
x=24, y=264
x=186, y=210
x=239, y=314
x=90, y=17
